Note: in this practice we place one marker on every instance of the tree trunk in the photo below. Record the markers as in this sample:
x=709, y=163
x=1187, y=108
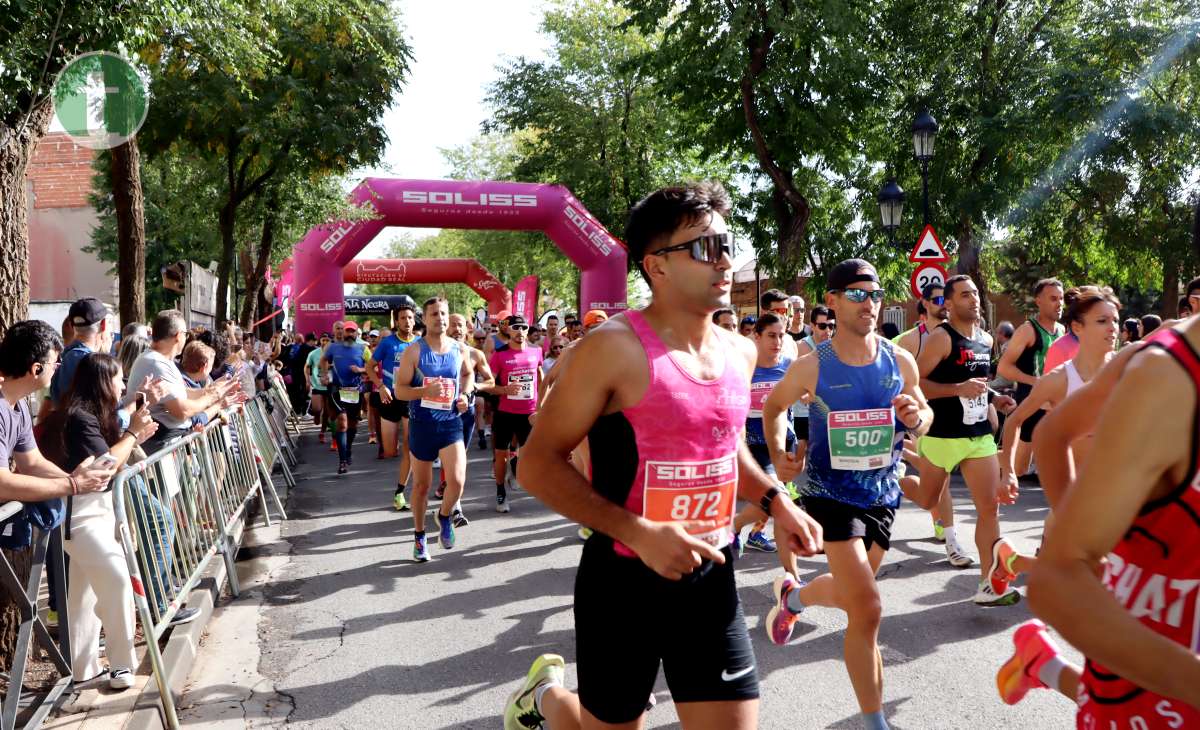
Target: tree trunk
x=256, y=277
x=970, y=263
x=10, y=618
x=16, y=149
x=226, y=222
x=126, y=179
x=1170, y=295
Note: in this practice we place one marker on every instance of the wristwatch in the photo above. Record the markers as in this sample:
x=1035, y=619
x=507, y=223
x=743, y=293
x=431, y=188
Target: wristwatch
x=767, y=499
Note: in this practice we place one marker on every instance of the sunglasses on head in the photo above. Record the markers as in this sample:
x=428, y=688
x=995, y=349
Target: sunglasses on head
x=825, y=325
x=858, y=296
x=705, y=249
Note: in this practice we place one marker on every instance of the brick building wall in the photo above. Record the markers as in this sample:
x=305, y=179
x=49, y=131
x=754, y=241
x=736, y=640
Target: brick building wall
x=58, y=182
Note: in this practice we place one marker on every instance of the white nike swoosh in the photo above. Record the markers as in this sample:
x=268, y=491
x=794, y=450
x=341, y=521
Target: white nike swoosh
x=725, y=675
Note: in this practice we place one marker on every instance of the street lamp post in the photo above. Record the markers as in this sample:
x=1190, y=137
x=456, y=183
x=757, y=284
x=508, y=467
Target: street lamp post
x=891, y=207
x=924, y=130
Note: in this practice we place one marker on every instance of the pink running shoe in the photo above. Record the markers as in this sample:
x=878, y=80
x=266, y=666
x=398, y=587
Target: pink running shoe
x=1001, y=573
x=780, y=619
x=1034, y=648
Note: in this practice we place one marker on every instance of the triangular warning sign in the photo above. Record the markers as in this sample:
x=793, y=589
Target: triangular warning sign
x=928, y=248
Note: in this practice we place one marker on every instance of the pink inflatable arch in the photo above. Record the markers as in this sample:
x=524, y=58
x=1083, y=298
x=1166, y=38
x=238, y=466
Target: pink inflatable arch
x=431, y=271
x=326, y=249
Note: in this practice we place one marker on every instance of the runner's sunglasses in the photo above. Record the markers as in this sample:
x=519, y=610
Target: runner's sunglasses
x=938, y=300
x=705, y=249
x=858, y=296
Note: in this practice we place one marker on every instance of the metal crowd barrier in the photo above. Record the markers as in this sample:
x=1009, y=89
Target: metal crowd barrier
x=38, y=704
x=279, y=391
x=180, y=507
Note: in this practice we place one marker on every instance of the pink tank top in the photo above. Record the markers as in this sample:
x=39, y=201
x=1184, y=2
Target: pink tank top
x=687, y=433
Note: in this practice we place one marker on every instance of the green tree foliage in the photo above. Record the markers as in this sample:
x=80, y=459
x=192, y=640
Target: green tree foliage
x=315, y=109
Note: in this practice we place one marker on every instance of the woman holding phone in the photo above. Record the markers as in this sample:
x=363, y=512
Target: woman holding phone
x=99, y=591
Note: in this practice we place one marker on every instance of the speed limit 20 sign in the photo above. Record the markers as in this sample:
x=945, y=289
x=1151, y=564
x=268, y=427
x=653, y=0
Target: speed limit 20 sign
x=926, y=274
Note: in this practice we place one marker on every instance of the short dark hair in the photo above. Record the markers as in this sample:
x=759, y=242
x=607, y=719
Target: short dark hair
x=404, y=307
x=889, y=330
x=1184, y=303
x=1150, y=322
x=25, y=344
x=662, y=212
x=819, y=310
x=170, y=322
x=1043, y=283
x=771, y=296
x=928, y=290
x=766, y=320
x=1192, y=287
x=433, y=300
x=954, y=280
x=716, y=316
x=552, y=317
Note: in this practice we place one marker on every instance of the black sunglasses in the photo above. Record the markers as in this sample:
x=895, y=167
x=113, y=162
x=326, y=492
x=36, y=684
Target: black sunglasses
x=705, y=249
x=825, y=325
x=858, y=296
x=519, y=327
x=938, y=300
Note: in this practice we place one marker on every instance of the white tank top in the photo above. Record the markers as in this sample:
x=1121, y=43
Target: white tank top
x=1074, y=382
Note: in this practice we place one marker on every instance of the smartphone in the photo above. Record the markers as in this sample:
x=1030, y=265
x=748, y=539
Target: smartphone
x=139, y=401
x=105, y=461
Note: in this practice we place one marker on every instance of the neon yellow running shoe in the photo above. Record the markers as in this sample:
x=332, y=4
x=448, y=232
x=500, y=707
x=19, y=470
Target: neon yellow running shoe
x=399, y=502
x=792, y=492
x=521, y=712
x=939, y=531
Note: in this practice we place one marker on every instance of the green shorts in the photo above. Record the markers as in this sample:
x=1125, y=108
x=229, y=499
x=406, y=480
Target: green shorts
x=946, y=454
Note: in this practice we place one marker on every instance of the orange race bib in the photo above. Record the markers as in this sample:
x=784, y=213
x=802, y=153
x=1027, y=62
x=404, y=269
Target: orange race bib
x=445, y=398
x=683, y=491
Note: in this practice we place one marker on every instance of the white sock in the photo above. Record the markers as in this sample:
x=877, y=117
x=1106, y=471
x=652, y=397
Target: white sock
x=949, y=533
x=1051, y=671
x=541, y=690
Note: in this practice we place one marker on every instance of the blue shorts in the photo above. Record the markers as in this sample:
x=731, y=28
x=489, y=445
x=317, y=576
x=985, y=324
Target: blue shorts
x=468, y=423
x=426, y=439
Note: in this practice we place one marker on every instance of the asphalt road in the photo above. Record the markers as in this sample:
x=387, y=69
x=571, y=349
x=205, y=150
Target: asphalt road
x=356, y=635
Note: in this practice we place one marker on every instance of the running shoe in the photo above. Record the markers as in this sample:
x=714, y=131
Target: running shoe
x=332, y=445
x=400, y=503
x=320, y=437
x=440, y=492
x=1034, y=648
x=510, y=474
x=738, y=548
x=1003, y=555
x=120, y=679
x=760, y=542
x=939, y=532
x=482, y=441
x=584, y=533
x=957, y=556
x=501, y=501
x=460, y=520
x=521, y=712
x=792, y=492
x=420, y=551
x=780, y=619
x=988, y=596
x=343, y=467
x=446, y=533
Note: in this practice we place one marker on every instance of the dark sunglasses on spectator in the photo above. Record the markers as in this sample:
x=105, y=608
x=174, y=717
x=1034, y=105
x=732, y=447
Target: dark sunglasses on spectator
x=705, y=249
x=858, y=296
x=825, y=325
x=519, y=327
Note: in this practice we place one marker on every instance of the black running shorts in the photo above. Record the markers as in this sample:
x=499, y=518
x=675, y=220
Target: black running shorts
x=800, y=425
x=391, y=412
x=841, y=522
x=628, y=620
x=353, y=411
x=1029, y=424
x=507, y=425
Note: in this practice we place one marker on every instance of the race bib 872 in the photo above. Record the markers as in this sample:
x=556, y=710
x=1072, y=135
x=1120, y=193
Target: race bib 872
x=687, y=491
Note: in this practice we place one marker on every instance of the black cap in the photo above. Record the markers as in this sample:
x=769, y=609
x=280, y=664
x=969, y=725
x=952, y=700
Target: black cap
x=850, y=271
x=88, y=310
x=515, y=319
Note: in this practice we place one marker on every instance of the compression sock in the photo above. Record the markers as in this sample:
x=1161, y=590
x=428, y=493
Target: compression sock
x=399, y=488
x=339, y=437
x=350, y=434
x=875, y=721
x=1051, y=671
x=793, y=601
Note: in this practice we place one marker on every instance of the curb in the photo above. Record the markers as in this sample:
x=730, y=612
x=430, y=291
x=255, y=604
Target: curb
x=182, y=646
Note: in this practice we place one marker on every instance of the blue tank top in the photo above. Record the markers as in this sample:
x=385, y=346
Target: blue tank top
x=761, y=384
x=432, y=365
x=842, y=387
x=342, y=357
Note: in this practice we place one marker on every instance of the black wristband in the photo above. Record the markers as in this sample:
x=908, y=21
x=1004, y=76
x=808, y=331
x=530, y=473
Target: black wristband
x=767, y=499
x=131, y=433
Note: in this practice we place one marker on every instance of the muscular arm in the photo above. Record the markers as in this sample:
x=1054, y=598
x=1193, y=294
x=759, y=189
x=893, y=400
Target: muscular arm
x=1007, y=367
x=402, y=388
x=937, y=348
x=1050, y=389
x=799, y=381
x=1154, y=396
x=1075, y=417
x=25, y=487
x=912, y=388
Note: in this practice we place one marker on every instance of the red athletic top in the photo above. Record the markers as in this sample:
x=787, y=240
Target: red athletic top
x=1155, y=573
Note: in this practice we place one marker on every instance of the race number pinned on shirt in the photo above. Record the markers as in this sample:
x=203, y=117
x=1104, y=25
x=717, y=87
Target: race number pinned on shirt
x=758, y=396
x=525, y=378
x=684, y=491
x=861, y=440
x=348, y=395
x=445, y=397
x=975, y=410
